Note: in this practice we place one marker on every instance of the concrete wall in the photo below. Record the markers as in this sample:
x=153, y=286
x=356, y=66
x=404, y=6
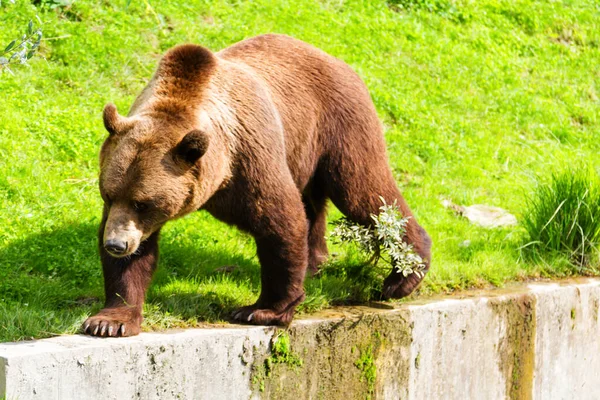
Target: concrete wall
x=537, y=341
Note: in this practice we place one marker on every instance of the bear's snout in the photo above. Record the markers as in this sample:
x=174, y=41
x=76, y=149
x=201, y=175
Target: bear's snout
x=115, y=246
x=123, y=231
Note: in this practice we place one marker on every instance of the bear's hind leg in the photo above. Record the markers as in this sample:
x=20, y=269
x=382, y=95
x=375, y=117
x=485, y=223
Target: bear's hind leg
x=315, y=204
x=356, y=183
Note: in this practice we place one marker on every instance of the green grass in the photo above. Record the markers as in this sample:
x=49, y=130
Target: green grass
x=564, y=217
x=479, y=98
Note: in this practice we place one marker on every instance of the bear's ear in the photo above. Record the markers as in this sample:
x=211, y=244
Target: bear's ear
x=113, y=122
x=192, y=146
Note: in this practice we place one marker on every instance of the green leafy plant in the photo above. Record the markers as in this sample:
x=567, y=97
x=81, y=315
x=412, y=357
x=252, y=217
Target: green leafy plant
x=383, y=239
x=564, y=216
x=19, y=51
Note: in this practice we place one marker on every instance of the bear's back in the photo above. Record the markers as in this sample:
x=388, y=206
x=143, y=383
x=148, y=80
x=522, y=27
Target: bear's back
x=294, y=68
x=317, y=95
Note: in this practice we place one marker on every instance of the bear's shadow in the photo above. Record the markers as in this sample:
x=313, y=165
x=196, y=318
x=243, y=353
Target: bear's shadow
x=59, y=272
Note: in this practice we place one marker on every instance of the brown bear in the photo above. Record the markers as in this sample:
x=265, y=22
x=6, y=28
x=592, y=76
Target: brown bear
x=260, y=135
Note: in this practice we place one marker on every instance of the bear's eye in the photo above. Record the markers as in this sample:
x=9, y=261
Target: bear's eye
x=140, y=206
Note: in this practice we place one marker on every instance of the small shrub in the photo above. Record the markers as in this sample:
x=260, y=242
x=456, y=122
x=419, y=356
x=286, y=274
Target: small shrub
x=19, y=51
x=564, y=216
x=382, y=239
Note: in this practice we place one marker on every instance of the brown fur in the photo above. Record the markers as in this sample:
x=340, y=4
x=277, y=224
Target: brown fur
x=260, y=135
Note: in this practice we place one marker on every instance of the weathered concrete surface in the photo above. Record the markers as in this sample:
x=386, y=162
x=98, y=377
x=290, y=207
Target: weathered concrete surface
x=539, y=341
x=567, y=342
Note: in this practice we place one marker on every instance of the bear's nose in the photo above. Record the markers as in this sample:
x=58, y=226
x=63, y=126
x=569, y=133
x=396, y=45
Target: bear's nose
x=115, y=246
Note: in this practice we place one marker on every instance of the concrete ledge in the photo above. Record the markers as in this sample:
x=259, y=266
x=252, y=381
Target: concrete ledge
x=537, y=341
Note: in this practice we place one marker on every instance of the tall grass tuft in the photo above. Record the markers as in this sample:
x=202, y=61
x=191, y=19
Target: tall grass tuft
x=563, y=216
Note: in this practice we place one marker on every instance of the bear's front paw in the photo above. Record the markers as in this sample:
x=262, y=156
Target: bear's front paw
x=263, y=315
x=113, y=322
x=397, y=286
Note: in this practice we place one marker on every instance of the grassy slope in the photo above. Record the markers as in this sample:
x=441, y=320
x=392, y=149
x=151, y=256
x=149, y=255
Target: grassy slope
x=478, y=98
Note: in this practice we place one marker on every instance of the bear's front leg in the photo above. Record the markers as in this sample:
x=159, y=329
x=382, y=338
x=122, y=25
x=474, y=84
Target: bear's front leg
x=281, y=232
x=125, y=283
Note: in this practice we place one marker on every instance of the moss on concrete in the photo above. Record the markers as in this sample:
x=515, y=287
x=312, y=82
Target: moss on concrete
x=281, y=353
x=517, y=349
x=339, y=359
x=367, y=367
x=270, y=363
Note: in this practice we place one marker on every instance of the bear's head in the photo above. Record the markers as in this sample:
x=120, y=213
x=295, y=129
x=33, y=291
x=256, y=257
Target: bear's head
x=169, y=155
x=147, y=179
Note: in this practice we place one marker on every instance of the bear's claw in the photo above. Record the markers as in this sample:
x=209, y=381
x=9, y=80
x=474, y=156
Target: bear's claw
x=238, y=316
x=112, y=323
